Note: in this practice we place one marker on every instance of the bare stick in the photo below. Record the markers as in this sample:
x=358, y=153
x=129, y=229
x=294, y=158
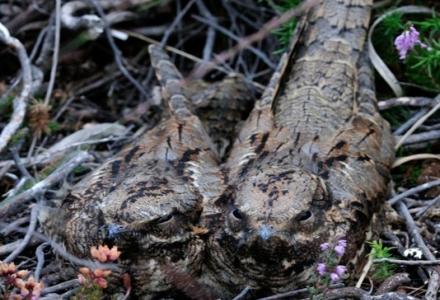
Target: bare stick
x=210, y=35
x=420, y=156
x=365, y=271
x=53, y=71
x=188, y=56
x=20, y=102
x=60, y=250
x=231, y=35
x=116, y=51
x=421, y=137
x=242, y=293
x=61, y=286
x=392, y=282
x=20, y=221
x=434, y=202
x=244, y=43
x=414, y=190
x=285, y=295
x=417, y=124
x=12, y=205
x=434, y=282
x=176, y=21
x=409, y=262
x=363, y=295
x=294, y=293
x=39, y=253
x=408, y=123
x=405, y=101
x=27, y=237
x=8, y=248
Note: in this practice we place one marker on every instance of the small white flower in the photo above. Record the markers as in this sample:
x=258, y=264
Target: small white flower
x=413, y=252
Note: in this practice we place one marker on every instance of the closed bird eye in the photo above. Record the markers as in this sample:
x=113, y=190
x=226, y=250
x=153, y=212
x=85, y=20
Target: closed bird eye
x=165, y=219
x=304, y=216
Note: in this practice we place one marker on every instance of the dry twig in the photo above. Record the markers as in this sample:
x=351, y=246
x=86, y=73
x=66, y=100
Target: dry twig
x=392, y=282
x=244, y=43
x=414, y=190
x=405, y=101
x=20, y=101
x=418, y=123
x=27, y=237
x=12, y=205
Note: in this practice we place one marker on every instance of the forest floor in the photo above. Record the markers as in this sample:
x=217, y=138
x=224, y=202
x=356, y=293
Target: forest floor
x=65, y=71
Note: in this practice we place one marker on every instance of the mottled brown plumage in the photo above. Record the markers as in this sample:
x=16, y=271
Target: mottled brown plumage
x=310, y=165
x=148, y=198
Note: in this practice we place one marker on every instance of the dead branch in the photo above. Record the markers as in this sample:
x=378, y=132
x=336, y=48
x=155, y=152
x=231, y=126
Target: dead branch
x=434, y=282
x=409, y=262
x=405, y=101
x=27, y=237
x=202, y=69
x=408, y=123
x=116, y=51
x=420, y=137
x=20, y=102
x=12, y=205
x=392, y=282
x=418, y=123
x=242, y=294
x=414, y=190
x=61, y=286
x=56, y=47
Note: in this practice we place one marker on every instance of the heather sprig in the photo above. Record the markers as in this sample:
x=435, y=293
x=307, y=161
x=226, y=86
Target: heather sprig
x=407, y=41
x=420, y=52
x=328, y=269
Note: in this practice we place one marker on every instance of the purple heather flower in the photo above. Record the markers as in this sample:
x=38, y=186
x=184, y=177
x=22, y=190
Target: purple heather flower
x=321, y=268
x=342, y=243
x=334, y=277
x=340, y=247
x=324, y=246
x=340, y=270
x=407, y=40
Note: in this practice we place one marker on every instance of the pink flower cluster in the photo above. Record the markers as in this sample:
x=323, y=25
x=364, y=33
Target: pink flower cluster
x=30, y=289
x=337, y=272
x=98, y=277
x=407, y=40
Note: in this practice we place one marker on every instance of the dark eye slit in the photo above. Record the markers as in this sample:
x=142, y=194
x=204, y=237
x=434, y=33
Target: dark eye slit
x=303, y=216
x=164, y=219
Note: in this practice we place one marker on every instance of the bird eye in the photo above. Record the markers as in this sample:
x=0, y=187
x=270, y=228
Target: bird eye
x=237, y=214
x=304, y=216
x=164, y=219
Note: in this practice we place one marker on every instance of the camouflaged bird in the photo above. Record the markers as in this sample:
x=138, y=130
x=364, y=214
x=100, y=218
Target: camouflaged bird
x=310, y=165
x=148, y=198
